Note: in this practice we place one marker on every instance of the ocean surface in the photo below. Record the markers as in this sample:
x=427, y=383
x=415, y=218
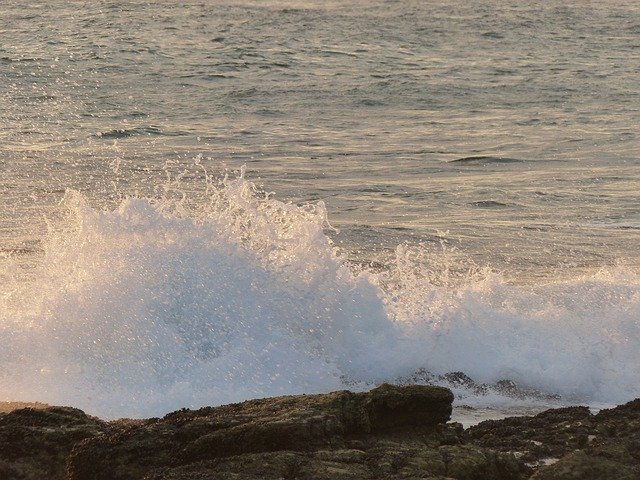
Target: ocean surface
x=207, y=201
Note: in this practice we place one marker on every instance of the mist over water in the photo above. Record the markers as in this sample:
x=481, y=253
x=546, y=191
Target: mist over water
x=413, y=189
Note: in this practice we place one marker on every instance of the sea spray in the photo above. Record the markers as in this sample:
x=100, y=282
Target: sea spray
x=138, y=310
x=576, y=337
x=164, y=303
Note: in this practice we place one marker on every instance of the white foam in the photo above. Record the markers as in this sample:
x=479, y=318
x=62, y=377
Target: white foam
x=158, y=305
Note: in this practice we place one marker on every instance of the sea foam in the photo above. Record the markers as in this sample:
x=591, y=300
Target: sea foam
x=161, y=304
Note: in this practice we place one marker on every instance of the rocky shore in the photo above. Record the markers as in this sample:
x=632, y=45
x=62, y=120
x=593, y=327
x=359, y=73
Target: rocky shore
x=388, y=433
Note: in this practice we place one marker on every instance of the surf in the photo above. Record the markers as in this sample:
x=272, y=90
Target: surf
x=216, y=296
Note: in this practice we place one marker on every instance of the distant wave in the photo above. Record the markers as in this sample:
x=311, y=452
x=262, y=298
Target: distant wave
x=17, y=60
x=10, y=251
x=339, y=52
x=624, y=225
x=490, y=204
x=495, y=35
x=117, y=133
x=487, y=159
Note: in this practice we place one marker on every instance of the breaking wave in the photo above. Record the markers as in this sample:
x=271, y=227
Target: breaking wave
x=166, y=303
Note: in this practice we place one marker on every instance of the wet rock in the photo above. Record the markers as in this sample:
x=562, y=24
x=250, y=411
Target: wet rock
x=579, y=465
x=457, y=379
x=550, y=434
x=569, y=443
x=460, y=380
x=509, y=388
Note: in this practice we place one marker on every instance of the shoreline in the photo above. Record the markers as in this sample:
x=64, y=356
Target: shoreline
x=389, y=432
x=468, y=416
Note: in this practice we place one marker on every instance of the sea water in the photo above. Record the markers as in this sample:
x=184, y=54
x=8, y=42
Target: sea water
x=204, y=202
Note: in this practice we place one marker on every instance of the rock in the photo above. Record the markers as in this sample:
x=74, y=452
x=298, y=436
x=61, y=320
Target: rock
x=569, y=443
x=35, y=443
x=581, y=466
x=293, y=423
x=6, y=407
x=550, y=434
x=388, y=433
x=391, y=407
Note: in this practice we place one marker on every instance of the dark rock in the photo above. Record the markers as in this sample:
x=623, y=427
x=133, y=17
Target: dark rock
x=505, y=387
x=509, y=388
x=388, y=433
x=35, y=443
x=294, y=423
x=390, y=407
x=569, y=443
x=552, y=433
x=457, y=379
x=581, y=466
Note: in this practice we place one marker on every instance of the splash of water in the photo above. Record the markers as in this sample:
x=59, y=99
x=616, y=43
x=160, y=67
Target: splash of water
x=161, y=304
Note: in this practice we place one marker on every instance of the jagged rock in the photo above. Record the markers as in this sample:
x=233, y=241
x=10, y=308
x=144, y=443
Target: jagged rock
x=294, y=423
x=570, y=443
x=550, y=434
x=34, y=443
x=581, y=466
x=387, y=433
x=460, y=379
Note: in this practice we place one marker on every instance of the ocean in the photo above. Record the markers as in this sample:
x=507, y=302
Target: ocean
x=207, y=201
